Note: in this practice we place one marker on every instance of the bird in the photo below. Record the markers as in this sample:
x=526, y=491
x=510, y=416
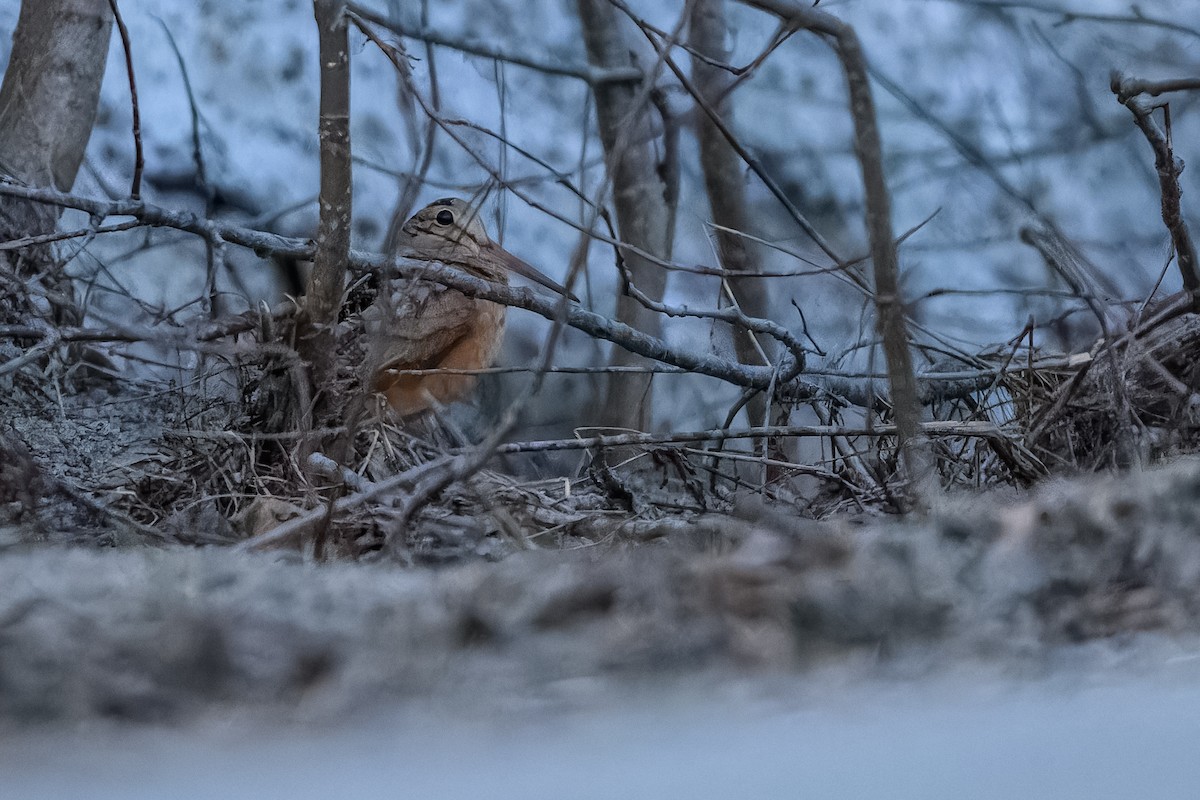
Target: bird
x=416, y=324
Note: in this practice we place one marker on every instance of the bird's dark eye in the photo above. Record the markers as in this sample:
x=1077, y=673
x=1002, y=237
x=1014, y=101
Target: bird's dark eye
x=445, y=218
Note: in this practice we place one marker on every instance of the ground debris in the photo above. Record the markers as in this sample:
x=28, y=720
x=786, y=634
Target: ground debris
x=158, y=633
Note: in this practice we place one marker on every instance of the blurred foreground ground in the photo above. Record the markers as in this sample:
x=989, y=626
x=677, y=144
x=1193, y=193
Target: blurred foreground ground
x=1008, y=646
x=931, y=739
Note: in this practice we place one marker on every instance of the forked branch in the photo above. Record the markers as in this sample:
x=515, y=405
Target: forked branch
x=1168, y=168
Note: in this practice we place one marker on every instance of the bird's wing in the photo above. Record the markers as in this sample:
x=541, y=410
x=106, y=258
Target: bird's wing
x=413, y=323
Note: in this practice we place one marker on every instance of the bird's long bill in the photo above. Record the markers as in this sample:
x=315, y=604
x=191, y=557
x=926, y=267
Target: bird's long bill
x=526, y=270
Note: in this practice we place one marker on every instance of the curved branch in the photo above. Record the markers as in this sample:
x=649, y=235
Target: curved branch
x=408, y=264
x=889, y=305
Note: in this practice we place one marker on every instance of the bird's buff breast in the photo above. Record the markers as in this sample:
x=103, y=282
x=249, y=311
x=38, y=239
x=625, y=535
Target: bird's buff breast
x=412, y=394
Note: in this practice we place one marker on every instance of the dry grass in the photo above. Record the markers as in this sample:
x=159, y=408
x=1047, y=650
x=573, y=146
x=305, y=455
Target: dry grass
x=240, y=448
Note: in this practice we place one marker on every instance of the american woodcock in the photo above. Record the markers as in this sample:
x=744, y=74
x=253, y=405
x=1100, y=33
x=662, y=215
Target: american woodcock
x=420, y=325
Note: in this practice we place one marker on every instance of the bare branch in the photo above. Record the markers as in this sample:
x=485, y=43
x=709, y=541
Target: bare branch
x=1068, y=15
x=890, y=315
x=1129, y=87
x=193, y=106
x=984, y=430
x=1168, y=168
x=750, y=160
x=139, y=158
x=732, y=315
x=260, y=241
x=410, y=265
x=593, y=76
x=407, y=91
x=60, y=236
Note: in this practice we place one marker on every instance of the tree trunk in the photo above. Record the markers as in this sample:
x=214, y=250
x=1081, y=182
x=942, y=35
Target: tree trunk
x=723, y=181
x=327, y=281
x=623, y=115
x=47, y=107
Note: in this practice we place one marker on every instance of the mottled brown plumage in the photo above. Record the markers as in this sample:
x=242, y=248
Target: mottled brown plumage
x=416, y=324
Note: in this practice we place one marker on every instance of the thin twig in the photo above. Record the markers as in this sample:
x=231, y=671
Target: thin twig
x=49, y=341
x=59, y=236
x=308, y=522
x=214, y=249
x=552, y=211
x=743, y=153
x=1069, y=15
x=931, y=429
x=591, y=75
x=139, y=160
x=326, y=467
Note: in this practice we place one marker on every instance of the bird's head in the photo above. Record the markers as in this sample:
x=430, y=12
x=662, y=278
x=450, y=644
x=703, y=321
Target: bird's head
x=450, y=230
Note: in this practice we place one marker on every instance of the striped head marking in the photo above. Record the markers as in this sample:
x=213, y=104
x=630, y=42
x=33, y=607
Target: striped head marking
x=450, y=230
x=447, y=224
